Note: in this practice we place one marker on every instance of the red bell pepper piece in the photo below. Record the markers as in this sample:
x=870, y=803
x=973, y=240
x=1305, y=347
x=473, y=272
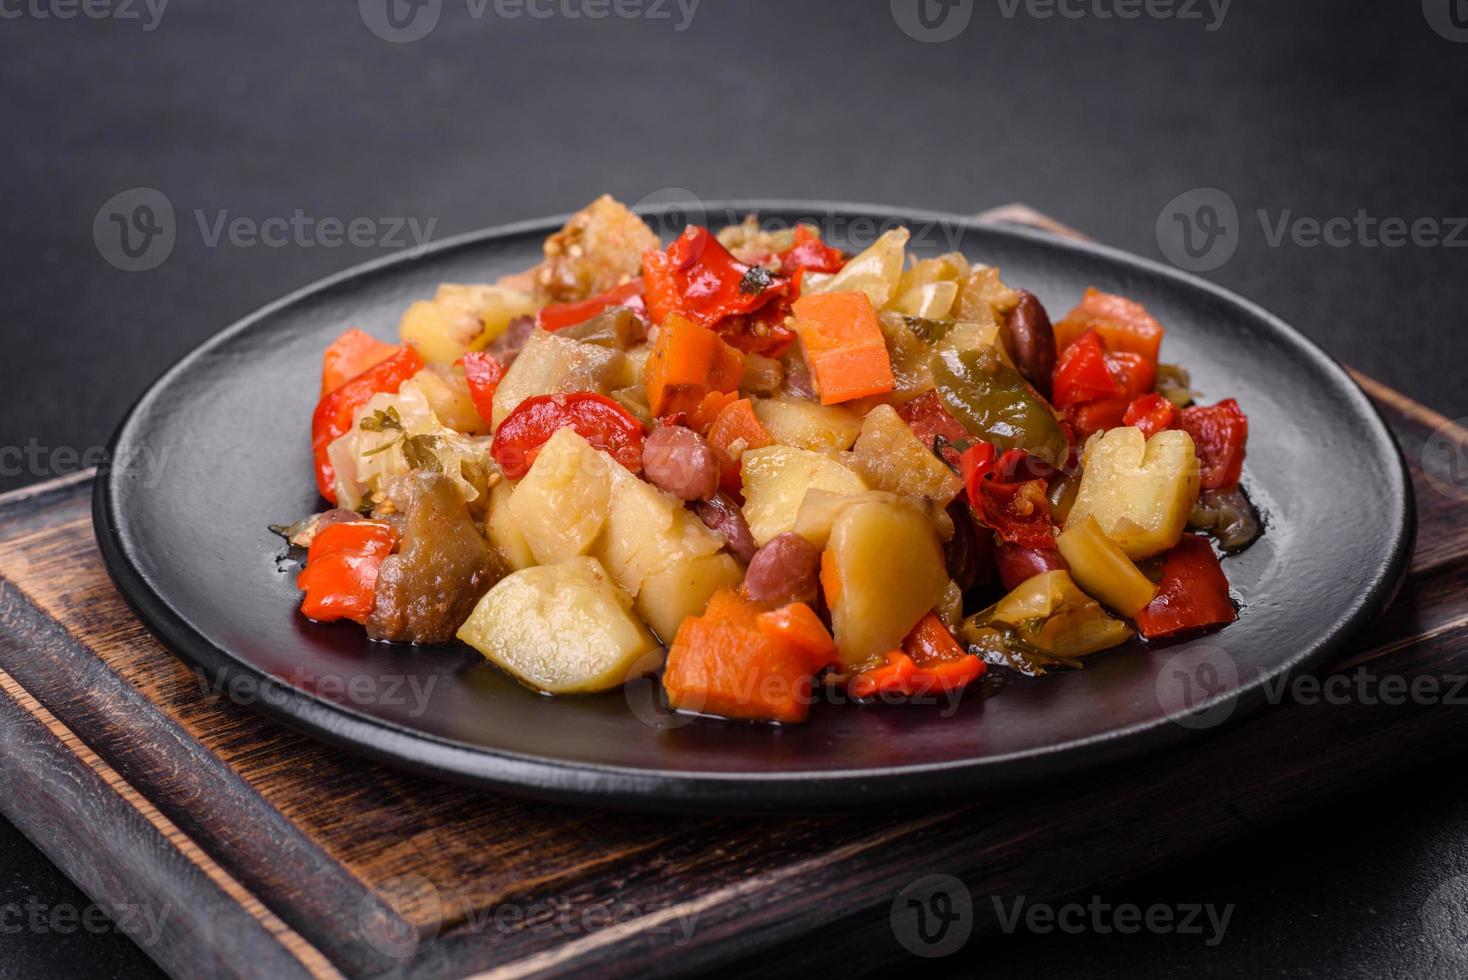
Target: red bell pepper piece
x=975, y=464
x=349, y=355
x=809, y=252
x=334, y=413
x=483, y=372
x=1151, y=414
x=698, y=278
x=596, y=418
x=1082, y=374
x=1193, y=593
x=1124, y=325
x=1219, y=433
x=340, y=577
x=1018, y=511
x=930, y=661
x=1017, y=563
x=559, y=316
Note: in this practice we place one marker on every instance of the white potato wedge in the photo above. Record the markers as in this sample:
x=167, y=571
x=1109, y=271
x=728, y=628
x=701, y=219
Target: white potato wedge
x=563, y=629
x=561, y=504
x=776, y=479
x=886, y=565
x=647, y=530
x=1140, y=490
x=806, y=424
x=503, y=533
x=683, y=589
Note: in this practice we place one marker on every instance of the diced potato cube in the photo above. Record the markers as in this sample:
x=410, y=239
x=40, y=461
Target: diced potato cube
x=549, y=363
x=504, y=534
x=462, y=318
x=1140, y=490
x=881, y=571
x=1103, y=570
x=889, y=457
x=683, y=589
x=561, y=505
x=805, y=424
x=647, y=530
x=776, y=479
x=563, y=629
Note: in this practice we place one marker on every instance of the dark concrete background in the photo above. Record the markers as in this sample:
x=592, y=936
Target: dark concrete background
x=1300, y=109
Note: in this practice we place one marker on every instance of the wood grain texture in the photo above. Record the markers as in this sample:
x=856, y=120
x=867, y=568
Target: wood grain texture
x=286, y=857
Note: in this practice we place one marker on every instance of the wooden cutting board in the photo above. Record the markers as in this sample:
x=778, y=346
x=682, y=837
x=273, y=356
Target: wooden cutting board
x=226, y=844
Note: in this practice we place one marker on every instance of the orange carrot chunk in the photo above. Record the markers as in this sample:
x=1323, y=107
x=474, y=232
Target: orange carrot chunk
x=724, y=663
x=798, y=625
x=735, y=431
x=686, y=364
x=843, y=345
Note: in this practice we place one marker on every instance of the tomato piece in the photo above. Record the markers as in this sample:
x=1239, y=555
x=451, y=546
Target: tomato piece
x=697, y=277
x=974, y=464
x=809, y=252
x=1136, y=375
x=340, y=577
x=1151, y=414
x=1219, y=434
x=335, y=413
x=596, y=418
x=484, y=373
x=1192, y=595
x=1082, y=375
x=559, y=316
x=1018, y=512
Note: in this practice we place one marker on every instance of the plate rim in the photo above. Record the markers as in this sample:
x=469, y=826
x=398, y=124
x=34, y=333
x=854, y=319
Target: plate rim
x=624, y=787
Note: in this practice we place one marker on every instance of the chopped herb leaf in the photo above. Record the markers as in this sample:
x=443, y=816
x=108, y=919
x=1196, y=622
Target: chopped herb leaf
x=419, y=452
x=382, y=420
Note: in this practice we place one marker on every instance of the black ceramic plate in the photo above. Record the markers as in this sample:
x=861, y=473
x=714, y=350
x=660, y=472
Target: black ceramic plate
x=219, y=451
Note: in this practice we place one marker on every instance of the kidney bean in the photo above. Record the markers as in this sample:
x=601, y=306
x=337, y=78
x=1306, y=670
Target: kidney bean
x=970, y=552
x=787, y=569
x=723, y=515
x=680, y=461
x=1017, y=563
x=1029, y=336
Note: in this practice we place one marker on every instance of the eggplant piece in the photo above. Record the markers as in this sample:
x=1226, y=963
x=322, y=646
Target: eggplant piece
x=428, y=588
x=1229, y=516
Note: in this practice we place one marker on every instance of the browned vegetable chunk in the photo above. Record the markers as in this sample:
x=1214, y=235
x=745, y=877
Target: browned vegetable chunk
x=427, y=590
